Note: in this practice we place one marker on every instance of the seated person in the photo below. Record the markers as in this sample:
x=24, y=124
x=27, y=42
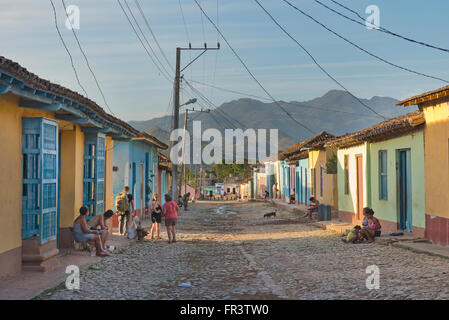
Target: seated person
x=98, y=222
x=372, y=230
x=353, y=235
x=180, y=202
x=82, y=233
x=132, y=229
x=313, y=207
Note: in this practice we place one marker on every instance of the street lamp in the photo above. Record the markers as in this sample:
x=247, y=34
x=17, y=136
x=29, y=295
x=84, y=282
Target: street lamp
x=193, y=100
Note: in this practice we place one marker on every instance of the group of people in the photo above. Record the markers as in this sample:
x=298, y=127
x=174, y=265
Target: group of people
x=96, y=231
x=370, y=229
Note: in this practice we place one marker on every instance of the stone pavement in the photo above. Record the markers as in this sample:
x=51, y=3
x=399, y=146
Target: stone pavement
x=229, y=251
x=28, y=284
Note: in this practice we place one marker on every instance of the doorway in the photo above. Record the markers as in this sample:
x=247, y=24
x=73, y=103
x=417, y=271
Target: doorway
x=404, y=186
x=359, y=162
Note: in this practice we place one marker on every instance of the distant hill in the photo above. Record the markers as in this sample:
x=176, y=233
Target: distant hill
x=336, y=112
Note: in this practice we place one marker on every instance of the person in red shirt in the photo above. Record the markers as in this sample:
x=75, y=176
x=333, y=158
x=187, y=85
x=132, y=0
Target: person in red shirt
x=170, y=211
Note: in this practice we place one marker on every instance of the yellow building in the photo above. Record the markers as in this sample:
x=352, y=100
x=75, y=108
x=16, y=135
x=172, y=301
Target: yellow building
x=56, y=157
x=323, y=176
x=435, y=106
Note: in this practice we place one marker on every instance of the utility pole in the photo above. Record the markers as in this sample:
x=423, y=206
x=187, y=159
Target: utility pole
x=186, y=117
x=176, y=105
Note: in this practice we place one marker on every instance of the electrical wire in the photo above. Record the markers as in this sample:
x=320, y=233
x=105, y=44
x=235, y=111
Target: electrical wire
x=378, y=28
x=362, y=49
x=143, y=45
x=316, y=62
x=66, y=49
x=87, y=62
x=153, y=35
x=146, y=40
x=290, y=103
x=251, y=74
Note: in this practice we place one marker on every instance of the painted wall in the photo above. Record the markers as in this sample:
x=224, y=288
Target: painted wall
x=437, y=158
x=388, y=209
x=318, y=160
x=125, y=154
x=348, y=202
x=71, y=186
x=304, y=183
x=11, y=178
x=10, y=173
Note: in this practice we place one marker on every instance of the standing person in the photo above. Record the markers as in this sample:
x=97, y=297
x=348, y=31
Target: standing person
x=156, y=217
x=185, y=200
x=122, y=205
x=170, y=212
x=274, y=194
x=98, y=222
x=82, y=233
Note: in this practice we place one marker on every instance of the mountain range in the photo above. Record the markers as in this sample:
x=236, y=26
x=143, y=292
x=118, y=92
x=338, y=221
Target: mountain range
x=336, y=112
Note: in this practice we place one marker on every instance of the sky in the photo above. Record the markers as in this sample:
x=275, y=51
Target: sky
x=135, y=89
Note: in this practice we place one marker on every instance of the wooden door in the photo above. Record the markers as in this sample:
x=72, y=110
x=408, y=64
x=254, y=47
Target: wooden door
x=404, y=190
x=359, y=161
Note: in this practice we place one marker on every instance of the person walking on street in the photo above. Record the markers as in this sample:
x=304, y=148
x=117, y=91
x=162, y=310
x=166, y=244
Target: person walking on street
x=122, y=204
x=170, y=212
x=185, y=200
x=274, y=194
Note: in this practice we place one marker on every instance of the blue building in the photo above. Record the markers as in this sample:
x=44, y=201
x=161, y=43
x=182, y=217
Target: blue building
x=136, y=165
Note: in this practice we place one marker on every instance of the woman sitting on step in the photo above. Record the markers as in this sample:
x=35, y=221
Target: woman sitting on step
x=82, y=233
x=372, y=229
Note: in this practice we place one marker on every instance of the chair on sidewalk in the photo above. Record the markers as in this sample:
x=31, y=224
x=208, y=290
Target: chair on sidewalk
x=82, y=246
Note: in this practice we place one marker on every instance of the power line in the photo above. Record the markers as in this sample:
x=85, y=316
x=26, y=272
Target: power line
x=146, y=40
x=216, y=107
x=184, y=20
x=362, y=49
x=87, y=61
x=378, y=28
x=66, y=49
x=295, y=104
x=250, y=73
x=143, y=45
x=152, y=33
x=316, y=62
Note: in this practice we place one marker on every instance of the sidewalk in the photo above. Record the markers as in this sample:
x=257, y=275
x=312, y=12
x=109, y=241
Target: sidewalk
x=406, y=242
x=28, y=284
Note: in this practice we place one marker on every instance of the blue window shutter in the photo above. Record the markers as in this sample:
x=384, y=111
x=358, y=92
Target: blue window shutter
x=93, y=173
x=40, y=178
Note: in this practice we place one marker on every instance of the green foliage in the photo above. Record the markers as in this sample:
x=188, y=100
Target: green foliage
x=224, y=171
x=331, y=165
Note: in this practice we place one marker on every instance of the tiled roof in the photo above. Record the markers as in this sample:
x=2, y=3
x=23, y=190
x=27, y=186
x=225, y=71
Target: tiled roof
x=297, y=151
x=51, y=90
x=385, y=130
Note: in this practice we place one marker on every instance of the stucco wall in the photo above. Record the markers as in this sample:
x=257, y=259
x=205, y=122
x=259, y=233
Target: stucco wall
x=348, y=202
x=318, y=159
x=10, y=174
x=71, y=187
x=436, y=143
x=388, y=209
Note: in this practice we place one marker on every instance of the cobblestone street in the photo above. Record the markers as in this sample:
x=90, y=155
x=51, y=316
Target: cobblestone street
x=229, y=251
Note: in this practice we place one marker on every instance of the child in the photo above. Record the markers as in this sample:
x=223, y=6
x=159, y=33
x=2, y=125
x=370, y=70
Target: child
x=180, y=202
x=313, y=207
x=353, y=235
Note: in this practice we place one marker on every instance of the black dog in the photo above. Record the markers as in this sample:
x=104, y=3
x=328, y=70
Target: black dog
x=270, y=214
